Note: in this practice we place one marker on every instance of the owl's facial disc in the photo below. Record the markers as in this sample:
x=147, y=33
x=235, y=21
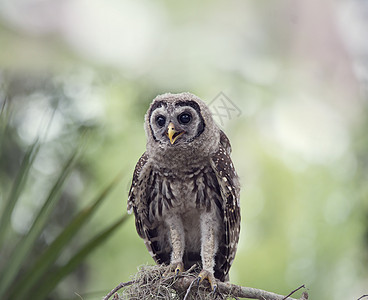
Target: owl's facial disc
x=175, y=123
x=172, y=133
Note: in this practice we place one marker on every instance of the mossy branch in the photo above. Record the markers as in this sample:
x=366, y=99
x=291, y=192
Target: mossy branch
x=149, y=283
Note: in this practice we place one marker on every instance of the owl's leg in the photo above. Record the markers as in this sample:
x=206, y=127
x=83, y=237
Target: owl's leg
x=177, y=238
x=209, y=246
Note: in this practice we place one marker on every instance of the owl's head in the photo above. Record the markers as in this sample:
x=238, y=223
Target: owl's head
x=180, y=122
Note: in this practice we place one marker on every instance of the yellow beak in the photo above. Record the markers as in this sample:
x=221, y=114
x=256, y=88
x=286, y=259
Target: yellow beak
x=172, y=133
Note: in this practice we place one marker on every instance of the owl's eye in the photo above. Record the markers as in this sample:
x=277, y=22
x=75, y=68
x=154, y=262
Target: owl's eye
x=184, y=118
x=160, y=121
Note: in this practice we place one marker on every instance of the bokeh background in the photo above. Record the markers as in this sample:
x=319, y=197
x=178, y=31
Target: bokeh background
x=81, y=74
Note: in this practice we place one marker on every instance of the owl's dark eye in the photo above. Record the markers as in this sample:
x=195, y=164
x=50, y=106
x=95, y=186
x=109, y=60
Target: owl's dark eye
x=184, y=118
x=160, y=121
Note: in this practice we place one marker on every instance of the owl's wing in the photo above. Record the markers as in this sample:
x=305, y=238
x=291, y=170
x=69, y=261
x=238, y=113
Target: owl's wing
x=138, y=201
x=140, y=215
x=225, y=142
x=229, y=188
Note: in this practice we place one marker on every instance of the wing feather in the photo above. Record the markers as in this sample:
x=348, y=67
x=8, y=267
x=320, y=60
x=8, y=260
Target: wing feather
x=134, y=201
x=225, y=142
x=140, y=194
x=230, y=189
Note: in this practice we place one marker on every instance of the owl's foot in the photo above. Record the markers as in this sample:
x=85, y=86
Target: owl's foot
x=209, y=276
x=179, y=268
x=176, y=268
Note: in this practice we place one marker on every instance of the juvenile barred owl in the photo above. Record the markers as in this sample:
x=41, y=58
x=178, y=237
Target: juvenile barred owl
x=185, y=191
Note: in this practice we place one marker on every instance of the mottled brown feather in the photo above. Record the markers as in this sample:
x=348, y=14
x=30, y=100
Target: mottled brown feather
x=205, y=166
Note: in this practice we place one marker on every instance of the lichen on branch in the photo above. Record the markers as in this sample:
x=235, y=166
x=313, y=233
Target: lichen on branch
x=150, y=283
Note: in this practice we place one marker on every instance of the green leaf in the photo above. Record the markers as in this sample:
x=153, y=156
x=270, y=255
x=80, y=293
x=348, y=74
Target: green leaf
x=25, y=245
x=4, y=120
x=52, y=280
x=47, y=259
x=17, y=188
x=21, y=179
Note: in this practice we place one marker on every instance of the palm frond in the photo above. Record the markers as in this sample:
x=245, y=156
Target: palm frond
x=25, y=245
x=47, y=259
x=81, y=255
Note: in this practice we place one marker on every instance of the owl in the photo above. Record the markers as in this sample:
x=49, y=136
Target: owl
x=185, y=190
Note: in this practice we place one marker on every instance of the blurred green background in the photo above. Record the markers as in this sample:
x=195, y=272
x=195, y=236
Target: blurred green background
x=81, y=74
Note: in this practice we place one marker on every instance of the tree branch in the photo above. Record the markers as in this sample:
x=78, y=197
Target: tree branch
x=237, y=291
x=149, y=283
x=120, y=286
x=294, y=291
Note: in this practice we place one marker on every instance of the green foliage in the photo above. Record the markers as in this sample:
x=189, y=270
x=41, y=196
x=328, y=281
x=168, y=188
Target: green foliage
x=17, y=189
x=24, y=273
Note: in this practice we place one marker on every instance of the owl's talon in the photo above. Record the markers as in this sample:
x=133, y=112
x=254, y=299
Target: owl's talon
x=209, y=276
x=177, y=269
